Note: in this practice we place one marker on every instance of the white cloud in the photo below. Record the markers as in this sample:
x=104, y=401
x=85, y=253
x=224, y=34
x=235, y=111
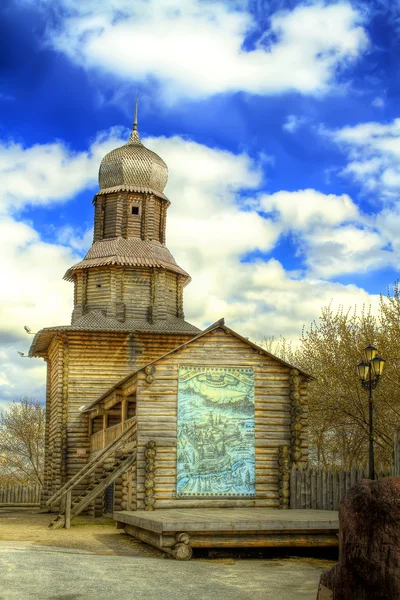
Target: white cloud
x=261, y=299
x=345, y=250
x=333, y=237
x=76, y=239
x=306, y=209
x=206, y=222
x=373, y=150
x=293, y=123
x=46, y=173
x=378, y=102
x=34, y=294
x=197, y=48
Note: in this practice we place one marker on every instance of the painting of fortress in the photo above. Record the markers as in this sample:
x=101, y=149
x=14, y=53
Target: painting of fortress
x=215, y=444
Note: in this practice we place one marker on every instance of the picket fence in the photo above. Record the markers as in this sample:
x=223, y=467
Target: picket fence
x=20, y=495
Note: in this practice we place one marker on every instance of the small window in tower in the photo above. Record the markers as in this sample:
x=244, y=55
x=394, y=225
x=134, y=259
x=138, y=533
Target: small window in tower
x=98, y=285
x=134, y=210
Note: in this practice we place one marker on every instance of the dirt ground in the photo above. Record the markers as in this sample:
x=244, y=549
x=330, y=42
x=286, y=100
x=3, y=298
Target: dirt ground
x=99, y=536
x=87, y=534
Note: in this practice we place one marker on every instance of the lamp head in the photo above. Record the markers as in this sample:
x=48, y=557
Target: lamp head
x=369, y=353
x=362, y=370
x=377, y=365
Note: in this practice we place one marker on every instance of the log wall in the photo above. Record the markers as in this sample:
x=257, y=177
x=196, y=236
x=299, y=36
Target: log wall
x=128, y=293
x=157, y=417
x=83, y=365
x=136, y=293
x=98, y=289
x=113, y=216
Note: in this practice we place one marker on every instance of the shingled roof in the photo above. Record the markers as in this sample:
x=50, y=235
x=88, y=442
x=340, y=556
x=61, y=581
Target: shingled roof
x=97, y=321
x=131, y=188
x=132, y=252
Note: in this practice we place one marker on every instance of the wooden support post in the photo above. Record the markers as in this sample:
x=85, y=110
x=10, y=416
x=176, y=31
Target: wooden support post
x=105, y=425
x=124, y=411
x=68, y=509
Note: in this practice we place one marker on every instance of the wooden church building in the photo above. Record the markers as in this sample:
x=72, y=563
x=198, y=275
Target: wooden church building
x=145, y=413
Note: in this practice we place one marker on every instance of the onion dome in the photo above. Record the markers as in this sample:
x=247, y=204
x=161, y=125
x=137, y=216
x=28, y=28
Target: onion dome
x=133, y=166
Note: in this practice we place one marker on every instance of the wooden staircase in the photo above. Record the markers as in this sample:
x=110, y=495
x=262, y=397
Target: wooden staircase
x=115, y=459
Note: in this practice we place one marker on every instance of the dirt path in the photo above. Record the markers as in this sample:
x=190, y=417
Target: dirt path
x=87, y=534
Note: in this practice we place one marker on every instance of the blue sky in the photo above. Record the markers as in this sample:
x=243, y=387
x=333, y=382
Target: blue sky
x=278, y=122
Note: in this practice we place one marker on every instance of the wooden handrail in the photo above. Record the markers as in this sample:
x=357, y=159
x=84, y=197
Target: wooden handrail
x=91, y=465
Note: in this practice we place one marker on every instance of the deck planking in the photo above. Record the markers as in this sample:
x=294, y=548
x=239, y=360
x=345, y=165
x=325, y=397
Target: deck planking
x=235, y=519
x=177, y=531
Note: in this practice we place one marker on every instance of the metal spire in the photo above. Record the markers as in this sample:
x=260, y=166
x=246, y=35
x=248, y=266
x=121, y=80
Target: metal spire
x=134, y=137
x=136, y=113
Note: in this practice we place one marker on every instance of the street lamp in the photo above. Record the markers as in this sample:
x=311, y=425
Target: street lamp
x=369, y=371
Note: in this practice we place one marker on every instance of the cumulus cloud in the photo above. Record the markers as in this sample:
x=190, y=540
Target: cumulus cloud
x=34, y=294
x=348, y=249
x=373, y=150
x=197, y=48
x=262, y=299
x=305, y=209
x=333, y=237
x=43, y=174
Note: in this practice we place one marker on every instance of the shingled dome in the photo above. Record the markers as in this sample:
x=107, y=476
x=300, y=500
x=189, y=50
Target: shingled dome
x=133, y=165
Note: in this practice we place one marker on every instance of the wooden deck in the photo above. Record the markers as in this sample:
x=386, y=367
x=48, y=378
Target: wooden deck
x=177, y=531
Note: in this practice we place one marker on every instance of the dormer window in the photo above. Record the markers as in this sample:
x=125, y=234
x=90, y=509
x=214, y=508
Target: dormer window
x=134, y=210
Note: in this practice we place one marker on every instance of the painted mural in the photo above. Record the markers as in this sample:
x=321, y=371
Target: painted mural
x=215, y=448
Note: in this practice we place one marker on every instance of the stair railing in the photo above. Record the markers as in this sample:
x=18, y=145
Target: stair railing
x=92, y=464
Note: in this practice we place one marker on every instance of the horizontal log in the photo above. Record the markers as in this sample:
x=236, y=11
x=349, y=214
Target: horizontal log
x=292, y=540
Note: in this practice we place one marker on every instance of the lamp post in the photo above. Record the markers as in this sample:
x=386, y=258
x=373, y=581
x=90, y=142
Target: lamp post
x=369, y=372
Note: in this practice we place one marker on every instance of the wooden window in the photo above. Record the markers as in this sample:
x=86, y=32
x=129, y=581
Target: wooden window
x=134, y=210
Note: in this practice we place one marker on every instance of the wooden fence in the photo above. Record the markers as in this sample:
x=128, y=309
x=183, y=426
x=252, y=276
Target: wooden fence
x=323, y=489
x=21, y=495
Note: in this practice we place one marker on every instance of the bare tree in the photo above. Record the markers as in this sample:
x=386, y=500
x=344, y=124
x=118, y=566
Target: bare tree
x=22, y=442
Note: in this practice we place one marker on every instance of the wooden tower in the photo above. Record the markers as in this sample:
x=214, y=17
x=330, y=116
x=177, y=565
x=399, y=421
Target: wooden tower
x=128, y=304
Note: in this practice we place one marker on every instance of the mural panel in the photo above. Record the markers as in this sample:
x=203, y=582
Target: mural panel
x=215, y=447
